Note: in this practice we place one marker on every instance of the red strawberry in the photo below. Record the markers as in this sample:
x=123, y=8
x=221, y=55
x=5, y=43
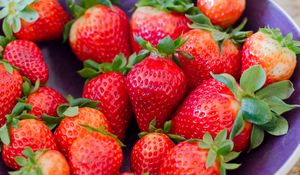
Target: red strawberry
x=98, y=153
x=10, y=91
x=36, y=21
x=45, y=101
x=48, y=162
x=211, y=54
x=16, y=135
x=274, y=52
x=26, y=56
x=156, y=85
x=213, y=107
x=205, y=157
x=100, y=32
x=222, y=13
x=154, y=21
x=70, y=127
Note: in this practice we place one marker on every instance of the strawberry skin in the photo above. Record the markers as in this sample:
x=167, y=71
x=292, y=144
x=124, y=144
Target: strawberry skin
x=153, y=25
x=211, y=107
x=30, y=132
x=95, y=153
x=155, y=86
x=10, y=91
x=53, y=162
x=207, y=57
x=148, y=152
x=109, y=89
x=188, y=159
x=278, y=62
x=69, y=129
x=45, y=101
x=28, y=57
x=49, y=25
x=222, y=13
x=100, y=34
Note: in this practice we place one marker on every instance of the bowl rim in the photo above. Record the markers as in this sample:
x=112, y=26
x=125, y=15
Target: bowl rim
x=295, y=157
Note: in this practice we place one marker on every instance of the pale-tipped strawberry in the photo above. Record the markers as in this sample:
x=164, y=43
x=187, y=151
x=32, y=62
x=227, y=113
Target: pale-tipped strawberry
x=42, y=162
x=274, y=52
x=154, y=20
x=99, y=32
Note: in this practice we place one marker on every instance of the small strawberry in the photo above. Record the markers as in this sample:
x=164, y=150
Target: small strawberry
x=214, y=106
x=10, y=89
x=78, y=112
x=205, y=157
x=156, y=85
x=97, y=152
x=148, y=152
x=21, y=130
x=274, y=52
x=213, y=49
x=99, y=32
x=107, y=87
x=45, y=162
x=223, y=13
x=154, y=20
x=33, y=20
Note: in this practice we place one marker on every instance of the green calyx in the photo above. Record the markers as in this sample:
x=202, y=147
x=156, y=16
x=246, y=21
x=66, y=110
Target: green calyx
x=219, y=149
x=285, y=41
x=261, y=106
x=166, y=130
x=92, y=69
x=28, y=162
x=13, y=11
x=8, y=67
x=103, y=131
x=236, y=35
x=28, y=88
x=179, y=6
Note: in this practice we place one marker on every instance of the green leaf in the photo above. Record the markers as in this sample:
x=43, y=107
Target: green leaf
x=36, y=86
x=7, y=30
x=207, y=138
x=20, y=107
x=28, y=152
x=67, y=30
x=257, y=137
x=166, y=46
x=4, y=135
x=283, y=90
x=178, y=6
x=185, y=55
x=176, y=138
x=22, y=161
x=176, y=60
x=88, y=73
x=16, y=25
x=8, y=67
x=238, y=125
x=221, y=136
x=278, y=126
x=71, y=111
x=75, y=9
x=278, y=106
x=231, y=156
x=26, y=87
x=211, y=158
x=200, y=21
x=152, y=125
x=142, y=134
x=253, y=79
x=255, y=111
x=225, y=147
x=231, y=166
x=29, y=15
x=61, y=109
x=119, y=63
x=167, y=126
x=203, y=145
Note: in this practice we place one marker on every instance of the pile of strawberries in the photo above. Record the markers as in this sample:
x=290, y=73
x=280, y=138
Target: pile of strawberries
x=200, y=90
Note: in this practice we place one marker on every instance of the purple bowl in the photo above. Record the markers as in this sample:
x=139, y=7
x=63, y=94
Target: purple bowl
x=277, y=155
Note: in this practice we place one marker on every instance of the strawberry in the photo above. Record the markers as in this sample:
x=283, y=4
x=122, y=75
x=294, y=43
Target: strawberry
x=205, y=157
x=107, y=87
x=213, y=107
x=77, y=113
x=99, y=32
x=148, y=152
x=46, y=162
x=154, y=20
x=223, y=13
x=213, y=50
x=35, y=21
x=274, y=52
x=97, y=152
x=21, y=130
x=10, y=91
x=156, y=85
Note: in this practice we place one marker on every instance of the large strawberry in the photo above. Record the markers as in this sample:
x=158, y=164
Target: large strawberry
x=107, y=87
x=156, y=85
x=222, y=13
x=99, y=32
x=154, y=20
x=10, y=89
x=78, y=112
x=97, y=152
x=205, y=157
x=213, y=107
x=274, y=52
x=45, y=162
x=213, y=49
x=33, y=20
x=21, y=130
